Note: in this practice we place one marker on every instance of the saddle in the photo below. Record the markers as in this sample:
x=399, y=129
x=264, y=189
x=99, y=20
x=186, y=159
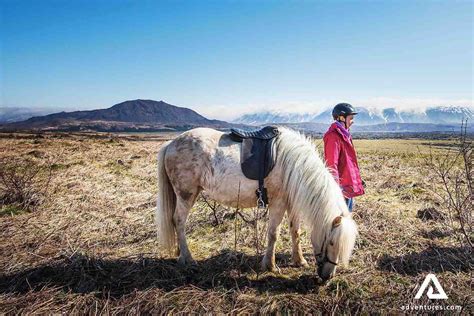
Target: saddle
x=258, y=156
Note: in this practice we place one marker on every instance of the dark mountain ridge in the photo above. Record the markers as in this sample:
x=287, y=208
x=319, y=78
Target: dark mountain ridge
x=129, y=115
x=138, y=111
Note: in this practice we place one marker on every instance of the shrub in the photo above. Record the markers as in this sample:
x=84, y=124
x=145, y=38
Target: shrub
x=24, y=184
x=454, y=170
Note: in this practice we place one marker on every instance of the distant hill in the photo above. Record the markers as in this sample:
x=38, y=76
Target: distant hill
x=133, y=115
x=366, y=116
x=10, y=114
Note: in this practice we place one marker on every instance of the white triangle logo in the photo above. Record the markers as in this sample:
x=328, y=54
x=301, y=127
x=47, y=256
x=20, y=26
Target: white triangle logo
x=441, y=295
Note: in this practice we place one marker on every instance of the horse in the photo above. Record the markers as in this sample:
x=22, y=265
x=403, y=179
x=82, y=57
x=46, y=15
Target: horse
x=204, y=159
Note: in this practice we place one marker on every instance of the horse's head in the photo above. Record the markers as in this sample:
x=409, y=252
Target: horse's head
x=334, y=247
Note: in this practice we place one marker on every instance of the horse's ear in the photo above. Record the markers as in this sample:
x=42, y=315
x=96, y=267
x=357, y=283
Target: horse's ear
x=337, y=221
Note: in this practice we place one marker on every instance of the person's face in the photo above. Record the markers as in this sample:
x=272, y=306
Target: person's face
x=349, y=120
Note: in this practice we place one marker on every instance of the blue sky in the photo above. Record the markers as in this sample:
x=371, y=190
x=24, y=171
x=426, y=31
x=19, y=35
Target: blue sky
x=248, y=55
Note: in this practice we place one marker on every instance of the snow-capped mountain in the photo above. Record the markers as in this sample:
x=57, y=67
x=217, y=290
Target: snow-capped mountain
x=367, y=116
x=274, y=117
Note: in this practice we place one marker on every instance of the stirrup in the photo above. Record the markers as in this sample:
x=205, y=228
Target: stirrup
x=260, y=200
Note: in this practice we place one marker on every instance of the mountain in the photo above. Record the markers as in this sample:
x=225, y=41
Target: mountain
x=367, y=116
x=266, y=117
x=382, y=129
x=149, y=115
x=278, y=117
x=15, y=114
x=450, y=114
x=134, y=115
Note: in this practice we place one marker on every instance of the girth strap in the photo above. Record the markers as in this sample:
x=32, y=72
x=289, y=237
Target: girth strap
x=262, y=198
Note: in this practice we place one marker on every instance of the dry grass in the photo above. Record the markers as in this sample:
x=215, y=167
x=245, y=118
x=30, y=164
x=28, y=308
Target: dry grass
x=91, y=247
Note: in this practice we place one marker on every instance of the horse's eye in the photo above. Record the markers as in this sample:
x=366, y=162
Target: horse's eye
x=331, y=243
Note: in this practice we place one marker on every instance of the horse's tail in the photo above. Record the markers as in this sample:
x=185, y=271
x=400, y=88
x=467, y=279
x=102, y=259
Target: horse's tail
x=165, y=206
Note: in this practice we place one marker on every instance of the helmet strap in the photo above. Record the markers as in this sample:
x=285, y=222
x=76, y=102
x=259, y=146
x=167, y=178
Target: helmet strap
x=343, y=120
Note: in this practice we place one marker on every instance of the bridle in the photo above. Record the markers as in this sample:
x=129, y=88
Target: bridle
x=319, y=257
x=325, y=257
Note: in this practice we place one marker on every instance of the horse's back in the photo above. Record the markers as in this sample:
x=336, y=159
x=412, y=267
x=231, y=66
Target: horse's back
x=202, y=132
x=210, y=159
x=198, y=152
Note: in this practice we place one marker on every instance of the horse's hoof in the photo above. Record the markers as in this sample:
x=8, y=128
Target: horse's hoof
x=270, y=267
x=276, y=269
x=186, y=261
x=301, y=263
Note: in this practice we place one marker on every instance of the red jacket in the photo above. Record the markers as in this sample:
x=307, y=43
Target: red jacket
x=341, y=160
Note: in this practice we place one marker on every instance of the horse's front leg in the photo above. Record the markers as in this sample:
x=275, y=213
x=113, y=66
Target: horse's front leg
x=296, y=253
x=276, y=212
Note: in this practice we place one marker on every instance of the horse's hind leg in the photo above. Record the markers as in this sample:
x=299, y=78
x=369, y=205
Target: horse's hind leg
x=183, y=205
x=276, y=212
x=296, y=253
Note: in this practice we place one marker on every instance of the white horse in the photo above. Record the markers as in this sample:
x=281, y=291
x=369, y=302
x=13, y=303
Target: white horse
x=300, y=183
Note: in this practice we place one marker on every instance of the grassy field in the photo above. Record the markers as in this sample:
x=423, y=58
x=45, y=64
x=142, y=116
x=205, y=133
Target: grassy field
x=90, y=246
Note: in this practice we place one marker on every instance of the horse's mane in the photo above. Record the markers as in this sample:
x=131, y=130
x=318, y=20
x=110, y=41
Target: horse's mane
x=312, y=191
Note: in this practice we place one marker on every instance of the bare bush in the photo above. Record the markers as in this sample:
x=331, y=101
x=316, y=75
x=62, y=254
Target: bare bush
x=454, y=170
x=256, y=220
x=24, y=184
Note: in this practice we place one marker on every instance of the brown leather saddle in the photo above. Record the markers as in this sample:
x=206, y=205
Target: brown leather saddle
x=258, y=156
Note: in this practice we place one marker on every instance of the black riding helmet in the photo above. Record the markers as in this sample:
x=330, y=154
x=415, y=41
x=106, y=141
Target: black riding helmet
x=343, y=109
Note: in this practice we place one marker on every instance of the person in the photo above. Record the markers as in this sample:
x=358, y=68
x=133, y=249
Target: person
x=340, y=154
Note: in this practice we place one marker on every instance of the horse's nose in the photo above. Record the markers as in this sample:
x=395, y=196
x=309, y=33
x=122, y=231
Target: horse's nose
x=325, y=274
